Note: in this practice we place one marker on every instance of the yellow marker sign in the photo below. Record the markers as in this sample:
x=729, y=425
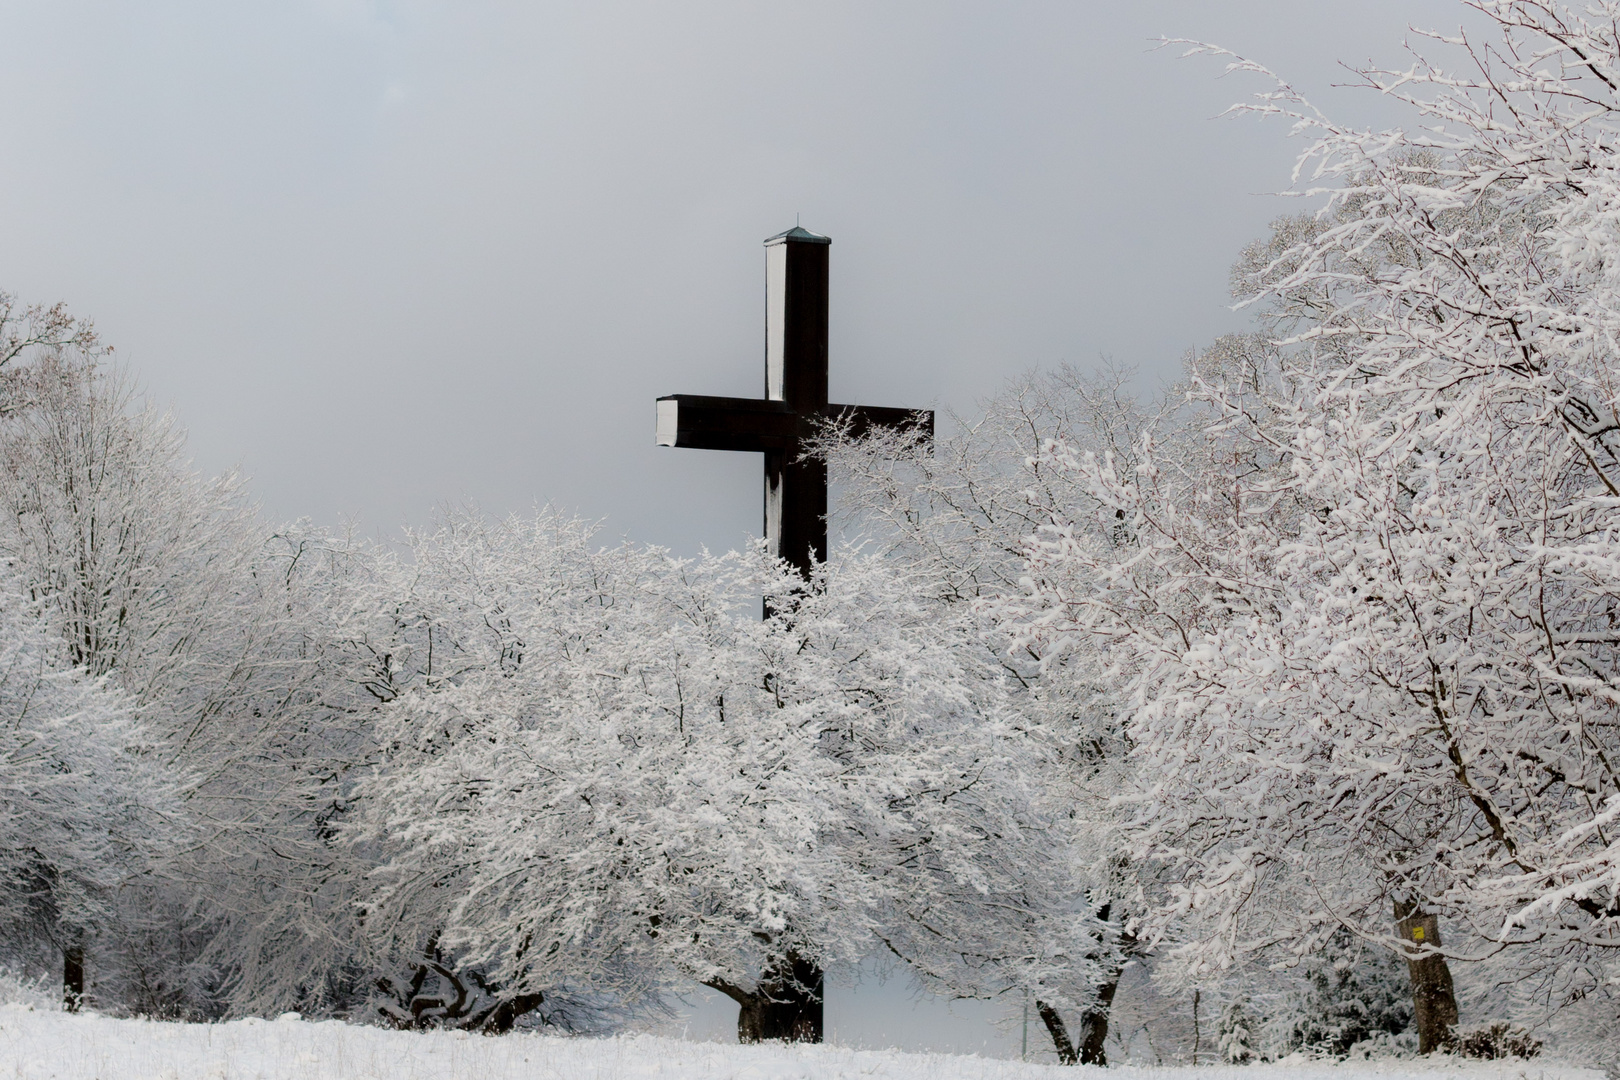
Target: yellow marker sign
x=1417, y=933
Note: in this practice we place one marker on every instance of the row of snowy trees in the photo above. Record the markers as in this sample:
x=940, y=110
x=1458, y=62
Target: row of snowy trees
x=1351, y=591
x=1359, y=600
x=1314, y=657
x=503, y=771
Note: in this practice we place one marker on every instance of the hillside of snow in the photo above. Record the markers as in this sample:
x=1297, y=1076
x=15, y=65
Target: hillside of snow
x=48, y=1045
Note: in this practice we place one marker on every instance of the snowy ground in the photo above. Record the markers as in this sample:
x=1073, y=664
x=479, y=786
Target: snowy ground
x=38, y=1044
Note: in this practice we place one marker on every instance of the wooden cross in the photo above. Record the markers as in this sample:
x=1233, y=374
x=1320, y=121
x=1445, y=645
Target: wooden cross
x=795, y=403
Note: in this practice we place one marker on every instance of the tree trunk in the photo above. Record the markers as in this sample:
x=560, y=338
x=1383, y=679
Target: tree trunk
x=73, y=977
x=1093, y=1027
x=1434, y=1001
x=787, y=1005
x=1094, y=1022
x=1060, y=1034
x=500, y=1019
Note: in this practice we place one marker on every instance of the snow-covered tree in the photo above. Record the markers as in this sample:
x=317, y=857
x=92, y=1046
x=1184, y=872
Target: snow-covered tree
x=1370, y=661
x=243, y=654
x=958, y=513
x=84, y=808
x=609, y=775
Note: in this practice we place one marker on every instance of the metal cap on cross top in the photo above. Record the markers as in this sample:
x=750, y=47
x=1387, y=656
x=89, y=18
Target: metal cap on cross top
x=794, y=406
x=798, y=234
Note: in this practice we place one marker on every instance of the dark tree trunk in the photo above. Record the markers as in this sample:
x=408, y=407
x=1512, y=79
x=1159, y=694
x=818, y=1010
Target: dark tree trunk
x=1434, y=1001
x=1094, y=1023
x=73, y=977
x=1060, y=1034
x=1093, y=1027
x=787, y=1005
x=487, y=1010
x=500, y=1019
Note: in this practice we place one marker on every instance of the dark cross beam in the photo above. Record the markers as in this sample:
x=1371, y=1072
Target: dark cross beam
x=794, y=406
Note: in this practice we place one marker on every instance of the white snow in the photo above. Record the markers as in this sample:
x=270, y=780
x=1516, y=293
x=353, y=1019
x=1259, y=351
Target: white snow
x=48, y=1045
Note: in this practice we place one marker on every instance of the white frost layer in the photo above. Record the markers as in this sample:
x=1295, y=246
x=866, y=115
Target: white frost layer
x=37, y=1045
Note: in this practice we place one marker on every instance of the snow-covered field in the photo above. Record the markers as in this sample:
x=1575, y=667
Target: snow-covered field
x=38, y=1044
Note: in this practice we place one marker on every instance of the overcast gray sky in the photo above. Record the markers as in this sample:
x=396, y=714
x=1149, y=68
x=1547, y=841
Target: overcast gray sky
x=387, y=255
x=383, y=255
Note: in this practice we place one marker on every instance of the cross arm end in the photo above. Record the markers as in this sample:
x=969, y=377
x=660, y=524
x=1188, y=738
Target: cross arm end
x=862, y=420
x=702, y=422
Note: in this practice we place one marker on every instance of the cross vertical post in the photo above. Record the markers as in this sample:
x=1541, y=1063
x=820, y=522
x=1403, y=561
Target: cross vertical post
x=796, y=374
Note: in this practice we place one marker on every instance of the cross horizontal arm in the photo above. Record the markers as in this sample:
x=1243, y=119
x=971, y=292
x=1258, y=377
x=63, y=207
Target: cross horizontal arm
x=725, y=423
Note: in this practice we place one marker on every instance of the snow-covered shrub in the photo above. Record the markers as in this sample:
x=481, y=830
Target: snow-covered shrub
x=1499, y=1040
x=34, y=992
x=1237, y=1035
x=1350, y=993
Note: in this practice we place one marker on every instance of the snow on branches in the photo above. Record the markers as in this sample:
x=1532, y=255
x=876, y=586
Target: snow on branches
x=1367, y=631
x=83, y=808
x=610, y=774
